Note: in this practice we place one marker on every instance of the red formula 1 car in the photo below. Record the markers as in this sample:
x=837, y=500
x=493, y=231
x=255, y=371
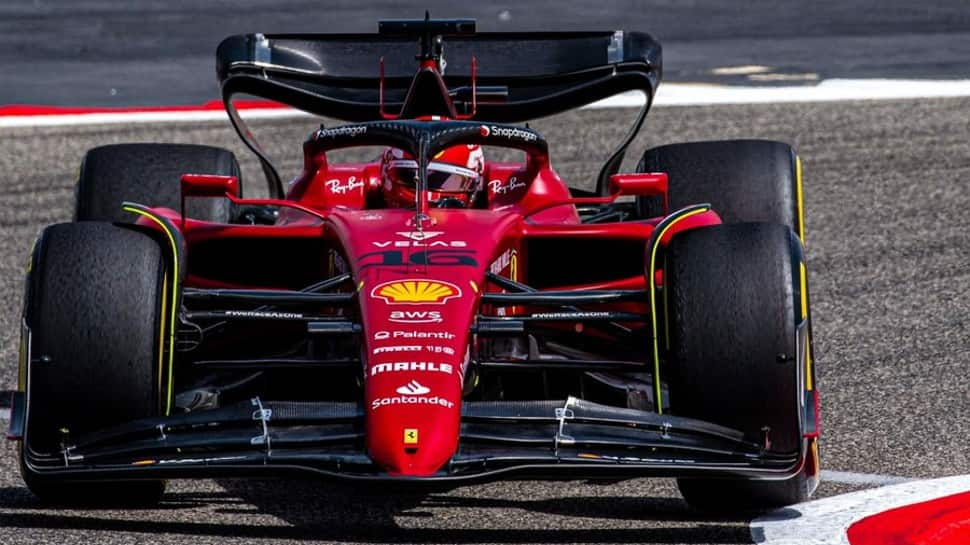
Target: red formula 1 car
x=433, y=315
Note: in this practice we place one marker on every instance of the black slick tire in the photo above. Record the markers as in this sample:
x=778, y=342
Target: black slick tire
x=93, y=305
x=149, y=174
x=732, y=359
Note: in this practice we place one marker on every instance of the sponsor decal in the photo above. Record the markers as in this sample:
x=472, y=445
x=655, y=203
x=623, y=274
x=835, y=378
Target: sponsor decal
x=264, y=314
x=398, y=348
x=418, y=292
x=500, y=188
x=370, y=216
x=432, y=258
x=411, y=400
x=410, y=436
x=577, y=315
x=412, y=393
x=508, y=132
x=413, y=388
x=415, y=316
x=419, y=235
x=402, y=366
x=409, y=335
x=433, y=348
x=420, y=243
x=502, y=261
x=335, y=186
x=348, y=130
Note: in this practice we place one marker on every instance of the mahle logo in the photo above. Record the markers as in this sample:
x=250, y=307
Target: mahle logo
x=415, y=292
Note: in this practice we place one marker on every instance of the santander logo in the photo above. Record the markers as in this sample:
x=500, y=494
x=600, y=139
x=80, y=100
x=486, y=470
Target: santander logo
x=413, y=388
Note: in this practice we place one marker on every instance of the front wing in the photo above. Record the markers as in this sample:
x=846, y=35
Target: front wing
x=567, y=439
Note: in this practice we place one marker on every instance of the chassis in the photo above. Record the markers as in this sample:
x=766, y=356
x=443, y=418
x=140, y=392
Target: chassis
x=531, y=335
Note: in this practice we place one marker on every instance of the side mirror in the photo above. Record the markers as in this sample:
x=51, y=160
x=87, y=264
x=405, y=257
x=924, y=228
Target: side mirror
x=207, y=185
x=645, y=184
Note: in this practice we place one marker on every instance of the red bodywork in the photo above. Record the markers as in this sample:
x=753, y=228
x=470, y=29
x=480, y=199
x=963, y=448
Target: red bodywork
x=419, y=290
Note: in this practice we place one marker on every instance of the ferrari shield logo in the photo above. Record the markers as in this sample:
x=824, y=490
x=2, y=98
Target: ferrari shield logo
x=416, y=291
x=410, y=436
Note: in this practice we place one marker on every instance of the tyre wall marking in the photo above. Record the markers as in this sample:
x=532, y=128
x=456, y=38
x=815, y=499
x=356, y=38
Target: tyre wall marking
x=803, y=282
x=161, y=335
x=128, y=207
x=798, y=198
x=655, y=239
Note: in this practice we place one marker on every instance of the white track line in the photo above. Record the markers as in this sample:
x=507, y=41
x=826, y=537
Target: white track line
x=670, y=94
x=826, y=91
x=826, y=521
x=851, y=477
x=144, y=117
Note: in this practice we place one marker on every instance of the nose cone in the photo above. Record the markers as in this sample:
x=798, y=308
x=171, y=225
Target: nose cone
x=417, y=338
x=414, y=431
x=418, y=293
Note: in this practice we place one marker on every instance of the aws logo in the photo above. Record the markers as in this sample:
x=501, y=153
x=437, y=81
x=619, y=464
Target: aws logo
x=416, y=316
x=416, y=292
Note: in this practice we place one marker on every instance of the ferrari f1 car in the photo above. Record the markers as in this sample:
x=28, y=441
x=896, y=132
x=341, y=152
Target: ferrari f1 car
x=431, y=316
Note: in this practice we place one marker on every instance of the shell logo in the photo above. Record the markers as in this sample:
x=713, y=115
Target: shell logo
x=416, y=292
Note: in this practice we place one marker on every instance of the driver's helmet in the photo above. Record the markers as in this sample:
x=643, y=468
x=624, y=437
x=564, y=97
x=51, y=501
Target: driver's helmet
x=454, y=176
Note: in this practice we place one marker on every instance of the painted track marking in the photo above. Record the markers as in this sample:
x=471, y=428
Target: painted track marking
x=826, y=521
x=669, y=94
x=871, y=479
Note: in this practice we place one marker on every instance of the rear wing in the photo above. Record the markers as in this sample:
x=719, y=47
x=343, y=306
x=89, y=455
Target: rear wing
x=518, y=76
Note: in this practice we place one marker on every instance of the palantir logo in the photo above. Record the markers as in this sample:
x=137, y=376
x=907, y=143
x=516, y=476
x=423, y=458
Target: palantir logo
x=413, y=388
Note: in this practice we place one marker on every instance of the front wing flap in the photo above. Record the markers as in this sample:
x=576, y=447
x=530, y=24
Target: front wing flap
x=573, y=438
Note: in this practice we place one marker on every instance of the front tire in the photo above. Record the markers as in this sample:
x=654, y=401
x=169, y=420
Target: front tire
x=733, y=303
x=94, y=307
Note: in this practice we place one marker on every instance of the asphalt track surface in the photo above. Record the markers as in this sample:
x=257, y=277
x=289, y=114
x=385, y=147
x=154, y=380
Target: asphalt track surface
x=98, y=53
x=886, y=188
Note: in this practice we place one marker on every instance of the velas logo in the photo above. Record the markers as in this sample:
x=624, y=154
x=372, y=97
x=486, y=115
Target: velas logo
x=413, y=388
x=419, y=235
x=420, y=238
x=417, y=292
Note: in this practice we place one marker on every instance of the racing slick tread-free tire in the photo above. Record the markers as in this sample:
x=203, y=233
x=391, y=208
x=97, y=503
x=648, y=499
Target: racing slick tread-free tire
x=94, y=309
x=149, y=174
x=743, y=180
x=733, y=350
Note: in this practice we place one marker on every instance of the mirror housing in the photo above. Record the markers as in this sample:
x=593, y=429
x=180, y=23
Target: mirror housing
x=643, y=184
x=207, y=185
